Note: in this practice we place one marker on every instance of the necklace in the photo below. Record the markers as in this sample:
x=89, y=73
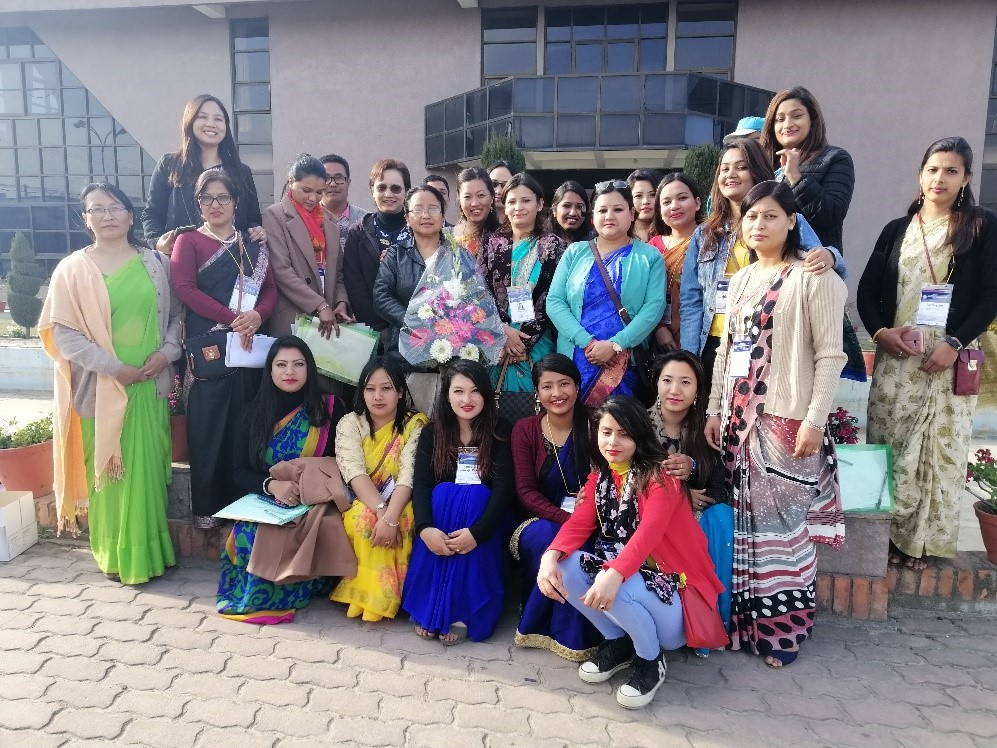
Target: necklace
x=232, y=237
x=557, y=449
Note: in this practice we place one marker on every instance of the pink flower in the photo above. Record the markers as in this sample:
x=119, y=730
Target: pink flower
x=478, y=316
x=463, y=328
x=486, y=337
x=443, y=327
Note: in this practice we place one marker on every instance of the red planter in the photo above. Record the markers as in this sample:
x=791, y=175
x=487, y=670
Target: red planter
x=870, y=361
x=178, y=436
x=988, y=528
x=30, y=468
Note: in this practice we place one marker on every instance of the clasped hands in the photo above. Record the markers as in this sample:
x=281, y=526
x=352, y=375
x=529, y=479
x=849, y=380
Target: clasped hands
x=455, y=543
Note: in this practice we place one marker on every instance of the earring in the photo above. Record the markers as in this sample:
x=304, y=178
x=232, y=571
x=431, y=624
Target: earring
x=536, y=405
x=920, y=200
x=962, y=191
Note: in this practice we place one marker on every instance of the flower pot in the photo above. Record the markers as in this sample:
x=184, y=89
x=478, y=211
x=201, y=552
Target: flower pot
x=988, y=528
x=870, y=361
x=178, y=436
x=3, y=307
x=30, y=468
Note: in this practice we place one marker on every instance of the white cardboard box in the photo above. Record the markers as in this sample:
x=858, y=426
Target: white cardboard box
x=18, y=526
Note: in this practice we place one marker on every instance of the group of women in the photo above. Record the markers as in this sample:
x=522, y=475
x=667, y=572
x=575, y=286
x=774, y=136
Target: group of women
x=637, y=530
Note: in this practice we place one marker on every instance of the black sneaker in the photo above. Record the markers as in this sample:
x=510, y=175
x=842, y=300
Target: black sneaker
x=612, y=656
x=645, y=678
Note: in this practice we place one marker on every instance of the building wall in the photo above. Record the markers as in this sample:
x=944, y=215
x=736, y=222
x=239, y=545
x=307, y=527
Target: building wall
x=890, y=81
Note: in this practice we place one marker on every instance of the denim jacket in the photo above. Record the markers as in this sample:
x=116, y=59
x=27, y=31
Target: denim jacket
x=697, y=295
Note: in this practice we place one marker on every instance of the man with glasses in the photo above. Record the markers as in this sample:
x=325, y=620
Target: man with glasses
x=440, y=183
x=368, y=241
x=500, y=173
x=336, y=199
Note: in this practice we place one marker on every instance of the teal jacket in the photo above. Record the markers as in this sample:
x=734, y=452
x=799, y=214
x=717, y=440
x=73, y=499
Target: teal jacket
x=643, y=296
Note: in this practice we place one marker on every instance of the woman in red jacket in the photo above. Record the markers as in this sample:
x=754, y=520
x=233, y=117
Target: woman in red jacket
x=650, y=562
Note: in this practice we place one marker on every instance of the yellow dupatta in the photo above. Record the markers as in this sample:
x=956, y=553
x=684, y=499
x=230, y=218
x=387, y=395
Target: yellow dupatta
x=382, y=450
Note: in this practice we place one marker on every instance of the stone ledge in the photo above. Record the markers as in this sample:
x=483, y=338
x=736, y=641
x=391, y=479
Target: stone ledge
x=964, y=584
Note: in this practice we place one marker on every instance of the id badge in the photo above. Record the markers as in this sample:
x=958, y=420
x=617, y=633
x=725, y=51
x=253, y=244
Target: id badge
x=667, y=316
x=568, y=503
x=250, y=293
x=521, y=304
x=467, y=469
x=933, y=311
x=722, y=286
x=387, y=489
x=321, y=281
x=740, y=358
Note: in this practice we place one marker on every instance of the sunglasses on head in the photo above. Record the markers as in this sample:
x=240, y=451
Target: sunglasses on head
x=611, y=184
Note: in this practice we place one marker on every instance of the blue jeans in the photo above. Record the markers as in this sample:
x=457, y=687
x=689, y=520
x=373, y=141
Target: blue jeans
x=636, y=611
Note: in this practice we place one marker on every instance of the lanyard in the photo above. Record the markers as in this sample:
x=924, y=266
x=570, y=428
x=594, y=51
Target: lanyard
x=927, y=254
x=732, y=248
x=550, y=434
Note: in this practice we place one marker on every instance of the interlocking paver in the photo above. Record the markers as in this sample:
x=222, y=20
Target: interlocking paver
x=88, y=695
x=24, y=714
x=161, y=733
x=195, y=661
x=416, y=710
x=264, y=692
x=132, y=653
x=395, y=684
x=290, y=720
x=426, y=736
x=372, y=732
x=258, y=668
x=494, y=718
x=343, y=701
x=89, y=724
x=222, y=712
x=240, y=736
x=22, y=662
x=23, y=685
x=152, y=704
x=76, y=668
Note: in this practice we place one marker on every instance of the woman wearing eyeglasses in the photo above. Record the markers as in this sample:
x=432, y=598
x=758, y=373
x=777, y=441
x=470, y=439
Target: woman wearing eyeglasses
x=113, y=328
x=226, y=282
x=606, y=297
x=304, y=250
x=206, y=142
x=368, y=242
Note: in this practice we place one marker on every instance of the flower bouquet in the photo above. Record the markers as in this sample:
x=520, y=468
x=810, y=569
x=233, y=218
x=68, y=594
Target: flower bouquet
x=451, y=315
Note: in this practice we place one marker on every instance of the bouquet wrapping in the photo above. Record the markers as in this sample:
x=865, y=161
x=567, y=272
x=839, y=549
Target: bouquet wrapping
x=451, y=314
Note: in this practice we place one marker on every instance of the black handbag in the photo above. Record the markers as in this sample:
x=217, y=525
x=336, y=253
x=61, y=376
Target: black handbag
x=513, y=406
x=206, y=355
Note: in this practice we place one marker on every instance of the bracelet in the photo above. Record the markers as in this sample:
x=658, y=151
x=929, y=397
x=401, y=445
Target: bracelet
x=323, y=305
x=877, y=333
x=266, y=485
x=391, y=524
x=379, y=507
x=811, y=425
x=713, y=415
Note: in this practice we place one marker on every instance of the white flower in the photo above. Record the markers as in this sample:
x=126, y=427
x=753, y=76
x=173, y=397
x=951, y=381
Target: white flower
x=441, y=350
x=470, y=352
x=455, y=288
x=425, y=312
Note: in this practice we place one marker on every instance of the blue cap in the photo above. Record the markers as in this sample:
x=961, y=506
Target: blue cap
x=748, y=125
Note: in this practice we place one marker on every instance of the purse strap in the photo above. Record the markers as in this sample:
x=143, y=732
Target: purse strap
x=501, y=380
x=613, y=296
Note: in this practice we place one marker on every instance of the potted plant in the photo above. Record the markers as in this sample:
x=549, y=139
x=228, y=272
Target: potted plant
x=178, y=421
x=983, y=473
x=26, y=461
x=844, y=427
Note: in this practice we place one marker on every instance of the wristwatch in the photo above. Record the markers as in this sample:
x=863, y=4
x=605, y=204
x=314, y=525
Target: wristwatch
x=617, y=347
x=953, y=341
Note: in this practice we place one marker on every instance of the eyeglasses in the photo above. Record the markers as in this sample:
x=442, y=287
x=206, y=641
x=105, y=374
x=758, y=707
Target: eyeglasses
x=114, y=210
x=394, y=189
x=432, y=210
x=205, y=200
x=611, y=184
x=338, y=179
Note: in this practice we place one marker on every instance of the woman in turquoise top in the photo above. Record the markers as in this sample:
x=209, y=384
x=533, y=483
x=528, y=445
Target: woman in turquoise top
x=591, y=331
x=517, y=262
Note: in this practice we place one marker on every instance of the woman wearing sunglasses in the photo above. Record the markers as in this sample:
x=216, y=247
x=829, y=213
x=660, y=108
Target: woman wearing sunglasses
x=606, y=298
x=368, y=242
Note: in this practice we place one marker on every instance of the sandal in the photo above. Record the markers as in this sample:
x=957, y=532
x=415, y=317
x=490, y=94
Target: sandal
x=423, y=633
x=456, y=635
x=782, y=656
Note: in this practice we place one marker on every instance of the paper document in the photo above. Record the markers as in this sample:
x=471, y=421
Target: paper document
x=236, y=356
x=341, y=358
x=256, y=508
x=866, y=475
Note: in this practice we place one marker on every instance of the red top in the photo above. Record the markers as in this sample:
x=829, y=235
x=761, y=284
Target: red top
x=667, y=532
x=192, y=249
x=528, y=456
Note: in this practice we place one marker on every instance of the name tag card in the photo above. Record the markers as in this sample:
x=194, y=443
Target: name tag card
x=467, y=469
x=933, y=311
x=521, y=304
x=722, y=287
x=250, y=293
x=321, y=280
x=740, y=358
x=568, y=503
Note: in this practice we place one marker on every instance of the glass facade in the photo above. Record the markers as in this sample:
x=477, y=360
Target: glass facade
x=251, y=100
x=704, y=37
x=988, y=173
x=55, y=138
x=508, y=42
x=615, y=39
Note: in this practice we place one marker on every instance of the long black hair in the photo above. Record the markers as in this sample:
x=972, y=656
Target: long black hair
x=676, y=176
x=585, y=229
x=267, y=407
x=522, y=179
x=189, y=165
x=116, y=193
x=784, y=197
x=558, y=363
x=633, y=418
x=694, y=424
x=966, y=219
x=394, y=371
x=720, y=214
x=446, y=429
x=491, y=222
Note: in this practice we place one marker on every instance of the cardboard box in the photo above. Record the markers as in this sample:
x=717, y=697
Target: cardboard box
x=18, y=526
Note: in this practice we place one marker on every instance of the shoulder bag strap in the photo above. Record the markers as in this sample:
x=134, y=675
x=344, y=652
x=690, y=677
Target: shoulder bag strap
x=620, y=309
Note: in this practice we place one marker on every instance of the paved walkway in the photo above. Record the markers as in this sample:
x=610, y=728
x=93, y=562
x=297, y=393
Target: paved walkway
x=87, y=662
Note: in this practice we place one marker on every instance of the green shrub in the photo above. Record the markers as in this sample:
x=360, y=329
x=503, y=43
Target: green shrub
x=24, y=279
x=503, y=148
x=701, y=165
x=36, y=432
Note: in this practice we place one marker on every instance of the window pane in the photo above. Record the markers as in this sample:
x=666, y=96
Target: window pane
x=704, y=53
x=14, y=218
x=434, y=150
x=50, y=242
x=654, y=20
x=477, y=106
x=76, y=131
x=101, y=130
x=252, y=66
x=74, y=102
x=476, y=137
x=252, y=96
x=509, y=25
x=731, y=104
x=536, y=132
x=53, y=161
x=49, y=218
x=10, y=75
x=453, y=145
x=257, y=157
x=250, y=34
x=703, y=93
x=616, y=130
x=40, y=101
x=28, y=161
x=665, y=93
x=102, y=158
x=698, y=130
x=41, y=75
x=7, y=165
x=664, y=130
x=26, y=131
x=558, y=22
x=499, y=100
x=129, y=160
x=11, y=102
x=8, y=191
x=589, y=23
x=51, y=131
x=68, y=79
x=588, y=58
x=621, y=22
x=533, y=95
x=6, y=132
x=621, y=94
x=652, y=54
x=55, y=189
x=253, y=128
x=454, y=113
x=434, y=119
x=620, y=58
x=576, y=94
x=131, y=186
x=510, y=59
x=96, y=108
x=707, y=18
x=558, y=59
x=77, y=160
x=576, y=132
